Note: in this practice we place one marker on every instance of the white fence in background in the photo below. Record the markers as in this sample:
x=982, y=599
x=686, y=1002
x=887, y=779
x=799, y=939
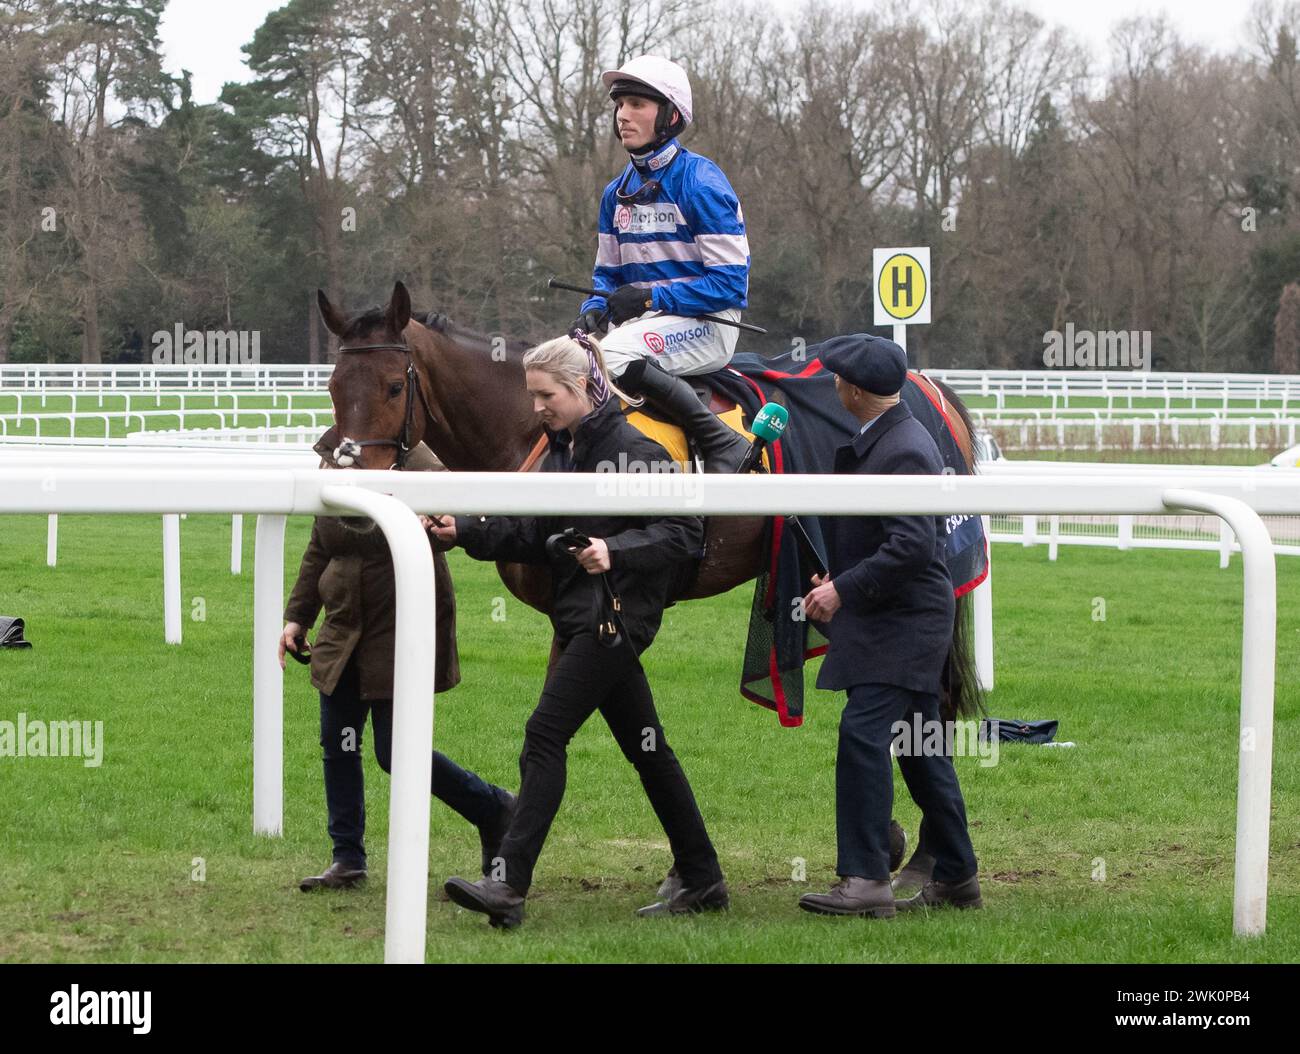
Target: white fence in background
x=1032, y=432
x=1121, y=387
x=1116, y=387
x=1183, y=531
x=228, y=441
x=66, y=377
x=66, y=422
x=20, y=402
x=163, y=450
x=275, y=494
x=1087, y=414
x=232, y=440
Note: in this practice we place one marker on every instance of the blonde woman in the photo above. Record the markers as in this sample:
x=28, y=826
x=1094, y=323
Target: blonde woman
x=643, y=557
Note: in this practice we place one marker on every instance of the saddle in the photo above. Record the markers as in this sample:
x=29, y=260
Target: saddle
x=654, y=423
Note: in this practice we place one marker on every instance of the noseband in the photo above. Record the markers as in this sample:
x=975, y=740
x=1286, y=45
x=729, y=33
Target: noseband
x=349, y=449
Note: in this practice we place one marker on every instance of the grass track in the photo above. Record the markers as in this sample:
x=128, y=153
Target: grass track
x=96, y=864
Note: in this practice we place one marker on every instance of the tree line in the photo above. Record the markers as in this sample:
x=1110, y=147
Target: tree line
x=462, y=146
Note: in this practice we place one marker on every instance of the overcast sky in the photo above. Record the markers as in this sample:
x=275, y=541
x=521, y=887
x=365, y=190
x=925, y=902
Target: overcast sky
x=205, y=38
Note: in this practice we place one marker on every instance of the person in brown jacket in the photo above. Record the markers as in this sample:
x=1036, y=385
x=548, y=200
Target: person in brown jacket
x=348, y=570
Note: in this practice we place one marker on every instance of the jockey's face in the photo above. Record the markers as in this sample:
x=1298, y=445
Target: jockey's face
x=558, y=407
x=635, y=115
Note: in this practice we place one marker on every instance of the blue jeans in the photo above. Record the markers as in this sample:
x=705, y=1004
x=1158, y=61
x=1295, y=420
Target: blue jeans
x=342, y=722
x=864, y=787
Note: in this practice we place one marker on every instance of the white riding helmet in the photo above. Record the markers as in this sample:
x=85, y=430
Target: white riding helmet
x=665, y=79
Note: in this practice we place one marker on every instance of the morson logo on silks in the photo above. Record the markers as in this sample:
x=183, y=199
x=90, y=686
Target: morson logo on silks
x=648, y=219
x=661, y=342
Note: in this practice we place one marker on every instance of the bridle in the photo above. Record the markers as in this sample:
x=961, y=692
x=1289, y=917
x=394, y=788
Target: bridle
x=350, y=449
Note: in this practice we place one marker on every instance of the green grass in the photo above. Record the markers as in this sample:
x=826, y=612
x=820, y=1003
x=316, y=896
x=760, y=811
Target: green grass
x=95, y=864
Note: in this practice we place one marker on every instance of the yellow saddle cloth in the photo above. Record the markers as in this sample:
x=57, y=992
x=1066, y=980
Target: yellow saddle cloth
x=673, y=439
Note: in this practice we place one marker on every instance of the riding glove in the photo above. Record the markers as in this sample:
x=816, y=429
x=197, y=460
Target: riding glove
x=629, y=301
x=590, y=321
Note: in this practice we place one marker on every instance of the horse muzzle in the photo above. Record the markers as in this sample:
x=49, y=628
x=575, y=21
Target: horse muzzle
x=347, y=453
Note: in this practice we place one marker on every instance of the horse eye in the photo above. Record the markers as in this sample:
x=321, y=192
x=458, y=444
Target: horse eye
x=395, y=389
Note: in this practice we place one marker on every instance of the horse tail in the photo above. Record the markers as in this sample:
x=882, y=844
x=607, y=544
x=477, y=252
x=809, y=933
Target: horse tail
x=962, y=695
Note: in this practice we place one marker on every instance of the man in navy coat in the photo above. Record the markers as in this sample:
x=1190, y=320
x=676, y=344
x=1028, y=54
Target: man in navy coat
x=887, y=606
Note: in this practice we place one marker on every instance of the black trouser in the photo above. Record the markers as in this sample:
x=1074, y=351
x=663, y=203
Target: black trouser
x=864, y=787
x=342, y=721
x=587, y=677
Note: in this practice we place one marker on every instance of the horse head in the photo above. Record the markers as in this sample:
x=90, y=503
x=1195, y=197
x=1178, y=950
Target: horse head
x=380, y=406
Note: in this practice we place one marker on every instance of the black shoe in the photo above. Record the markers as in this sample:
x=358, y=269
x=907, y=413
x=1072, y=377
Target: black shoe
x=964, y=894
x=721, y=449
x=336, y=876
x=491, y=834
x=499, y=902
x=866, y=897
x=685, y=901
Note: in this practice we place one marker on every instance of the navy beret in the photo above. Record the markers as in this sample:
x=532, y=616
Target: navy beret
x=874, y=364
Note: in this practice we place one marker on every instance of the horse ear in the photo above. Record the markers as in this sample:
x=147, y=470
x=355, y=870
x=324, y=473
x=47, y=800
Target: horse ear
x=334, y=322
x=399, y=308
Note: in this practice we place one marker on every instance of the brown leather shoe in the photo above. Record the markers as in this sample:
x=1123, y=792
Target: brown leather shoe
x=963, y=894
x=336, y=876
x=503, y=906
x=852, y=895
x=687, y=901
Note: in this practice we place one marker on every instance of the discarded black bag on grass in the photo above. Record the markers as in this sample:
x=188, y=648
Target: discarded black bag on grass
x=1013, y=730
x=11, y=632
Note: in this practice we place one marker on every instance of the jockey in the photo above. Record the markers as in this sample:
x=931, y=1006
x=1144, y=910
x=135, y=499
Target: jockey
x=672, y=246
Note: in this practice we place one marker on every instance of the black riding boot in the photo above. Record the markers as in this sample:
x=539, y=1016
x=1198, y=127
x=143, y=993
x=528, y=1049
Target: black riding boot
x=719, y=447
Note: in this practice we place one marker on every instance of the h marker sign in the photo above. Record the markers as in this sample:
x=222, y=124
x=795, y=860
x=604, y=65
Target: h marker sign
x=901, y=281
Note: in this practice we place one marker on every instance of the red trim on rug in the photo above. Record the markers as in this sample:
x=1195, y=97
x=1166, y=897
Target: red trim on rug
x=912, y=375
x=754, y=697
x=961, y=592
x=776, y=375
x=778, y=691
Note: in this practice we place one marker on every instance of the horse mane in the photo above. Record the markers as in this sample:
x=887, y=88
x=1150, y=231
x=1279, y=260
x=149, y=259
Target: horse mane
x=436, y=322
x=364, y=323
x=446, y=325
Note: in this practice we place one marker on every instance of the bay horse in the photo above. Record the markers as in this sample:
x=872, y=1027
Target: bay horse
x=400, y=380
